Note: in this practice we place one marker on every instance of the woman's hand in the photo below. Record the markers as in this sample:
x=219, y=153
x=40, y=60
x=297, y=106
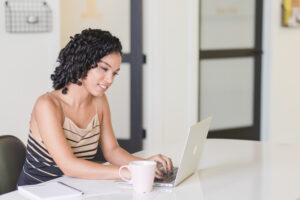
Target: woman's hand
x=162, y=162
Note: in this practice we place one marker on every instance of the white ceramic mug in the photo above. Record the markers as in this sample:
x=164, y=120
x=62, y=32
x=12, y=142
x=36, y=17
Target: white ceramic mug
x=142, y=175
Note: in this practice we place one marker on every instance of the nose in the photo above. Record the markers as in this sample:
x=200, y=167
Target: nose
x=109, y=78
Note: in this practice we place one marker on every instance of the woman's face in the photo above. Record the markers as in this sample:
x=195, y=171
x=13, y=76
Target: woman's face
x=100, y=78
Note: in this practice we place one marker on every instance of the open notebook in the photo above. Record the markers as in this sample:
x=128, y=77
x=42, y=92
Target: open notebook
x=49, y=191
x=68, y=188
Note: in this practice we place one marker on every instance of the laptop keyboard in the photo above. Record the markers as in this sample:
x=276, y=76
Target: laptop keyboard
x=168, y=177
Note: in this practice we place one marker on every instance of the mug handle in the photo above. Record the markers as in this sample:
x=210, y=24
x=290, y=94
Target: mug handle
x=122, y=177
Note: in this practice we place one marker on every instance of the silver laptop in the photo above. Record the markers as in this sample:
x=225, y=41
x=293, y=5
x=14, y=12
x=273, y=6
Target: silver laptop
x=190, y=157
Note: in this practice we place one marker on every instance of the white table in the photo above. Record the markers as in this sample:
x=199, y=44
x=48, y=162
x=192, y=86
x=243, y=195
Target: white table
x=229, y=169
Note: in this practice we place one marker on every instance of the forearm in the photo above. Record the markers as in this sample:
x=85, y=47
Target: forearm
x=81, y=168
x=118, y=156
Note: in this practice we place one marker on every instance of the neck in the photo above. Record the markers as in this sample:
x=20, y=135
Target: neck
x=77, y=96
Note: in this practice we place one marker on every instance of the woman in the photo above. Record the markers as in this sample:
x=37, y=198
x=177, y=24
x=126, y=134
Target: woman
x=68, y=123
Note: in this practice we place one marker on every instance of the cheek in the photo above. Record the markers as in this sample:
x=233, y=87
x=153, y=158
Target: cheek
x=94, y=75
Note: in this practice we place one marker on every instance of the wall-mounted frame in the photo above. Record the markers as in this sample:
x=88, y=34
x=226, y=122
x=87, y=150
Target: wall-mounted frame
x=27, y=16
x=291, y=13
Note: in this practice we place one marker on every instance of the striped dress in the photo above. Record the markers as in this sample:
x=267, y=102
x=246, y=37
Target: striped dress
x=39, y=165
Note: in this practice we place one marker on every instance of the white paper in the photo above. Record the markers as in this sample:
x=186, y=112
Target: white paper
x=45, y=191
x=91, y=187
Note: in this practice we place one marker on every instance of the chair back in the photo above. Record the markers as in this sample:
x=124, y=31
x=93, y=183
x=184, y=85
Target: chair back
x=12, y=157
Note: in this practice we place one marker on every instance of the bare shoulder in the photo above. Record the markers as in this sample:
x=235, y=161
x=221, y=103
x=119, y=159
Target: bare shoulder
x=47, y=100
x=48, y=103
x=102, y=106
x=101, y=101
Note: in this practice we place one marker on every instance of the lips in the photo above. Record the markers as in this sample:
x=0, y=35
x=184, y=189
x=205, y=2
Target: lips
x=103, y=87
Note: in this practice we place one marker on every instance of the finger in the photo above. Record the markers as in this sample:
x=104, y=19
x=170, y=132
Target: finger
x=159, y=165
x=158, y=174
x=169, y=163
x=161, y=159
x=157, y=171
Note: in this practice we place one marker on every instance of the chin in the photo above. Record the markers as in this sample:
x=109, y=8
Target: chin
x=97, y=94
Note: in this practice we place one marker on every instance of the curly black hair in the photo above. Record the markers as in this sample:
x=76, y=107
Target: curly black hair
x=82, y=53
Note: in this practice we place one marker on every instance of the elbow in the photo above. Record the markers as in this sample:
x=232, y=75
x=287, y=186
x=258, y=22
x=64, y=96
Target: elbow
x=68, y=172
x=68, y=168
x=109, y=154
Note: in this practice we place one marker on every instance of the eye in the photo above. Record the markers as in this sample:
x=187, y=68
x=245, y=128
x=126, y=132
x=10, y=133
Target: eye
x=104, y=69
x=115, y=73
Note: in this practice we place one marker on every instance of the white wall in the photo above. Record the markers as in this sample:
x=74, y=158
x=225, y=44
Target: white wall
x=281, y=96
x=170, y=95
x=171, y=73
x=27, y=60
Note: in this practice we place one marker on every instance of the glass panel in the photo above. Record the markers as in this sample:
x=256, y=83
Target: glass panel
x=227, y=24
x=119, y=101
x=112, y=15
x=227, y=92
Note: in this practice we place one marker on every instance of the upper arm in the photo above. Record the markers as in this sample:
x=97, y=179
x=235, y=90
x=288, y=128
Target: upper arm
x=49, y=121
x=108, y=140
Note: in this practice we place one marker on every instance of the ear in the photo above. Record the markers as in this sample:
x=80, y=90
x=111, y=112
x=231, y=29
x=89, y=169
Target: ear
x=79, y=82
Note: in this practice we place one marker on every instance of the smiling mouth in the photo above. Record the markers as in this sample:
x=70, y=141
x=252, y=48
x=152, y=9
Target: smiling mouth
x=103, y=86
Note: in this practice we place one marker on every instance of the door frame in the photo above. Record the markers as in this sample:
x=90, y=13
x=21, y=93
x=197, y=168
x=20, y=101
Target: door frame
x=253, y=132
x=136, y=59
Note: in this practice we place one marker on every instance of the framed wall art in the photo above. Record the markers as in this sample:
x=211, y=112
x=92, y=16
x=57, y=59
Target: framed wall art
x=291, y=13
